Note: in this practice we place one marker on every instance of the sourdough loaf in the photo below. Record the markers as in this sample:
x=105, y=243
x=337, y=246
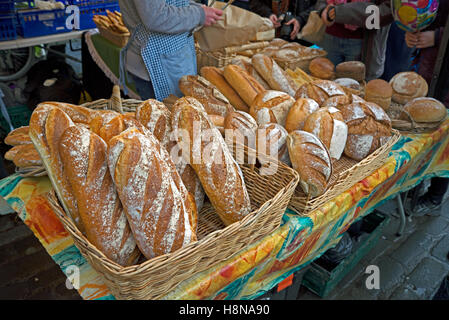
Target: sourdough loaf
x=301, y=109
x=271, y=107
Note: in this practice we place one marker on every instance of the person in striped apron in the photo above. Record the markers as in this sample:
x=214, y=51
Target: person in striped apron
x=161, y=48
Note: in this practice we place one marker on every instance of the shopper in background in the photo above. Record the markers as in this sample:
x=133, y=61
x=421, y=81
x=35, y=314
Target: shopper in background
x=299, y=8
x=428, y=42
x=161, y=47
x=347, y=37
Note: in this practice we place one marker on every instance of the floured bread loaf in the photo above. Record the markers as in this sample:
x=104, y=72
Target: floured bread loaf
x=271, y=141
x=326, y=93
x=271, y=107
x=328, y=125
x=240, y=127
x=369, y=127
x=84, y=156
x=155, y=116
x=160, y=211
x=408, y=86
x=18, y=136
x=311, y=159
x=25, y=156
x=299, y=112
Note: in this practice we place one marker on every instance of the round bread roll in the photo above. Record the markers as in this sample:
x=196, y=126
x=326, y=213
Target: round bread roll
x=328, y=125
x=351, y=69
x=369, y=127
x=350, y=86
x=407, y=86
x=325, y=92
x=271, y=141
x=240, y=127
x=271, y=107
x=298, y=113
x=424, y=110
x=311, y=159
x=322, y=68
x=379, y=91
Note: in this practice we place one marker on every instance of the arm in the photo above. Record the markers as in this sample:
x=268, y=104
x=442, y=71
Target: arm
x=158, y=16
x=355, y=13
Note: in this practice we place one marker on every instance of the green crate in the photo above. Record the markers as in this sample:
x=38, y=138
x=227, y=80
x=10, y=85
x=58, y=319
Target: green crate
x=19, y=115
x=322, y=281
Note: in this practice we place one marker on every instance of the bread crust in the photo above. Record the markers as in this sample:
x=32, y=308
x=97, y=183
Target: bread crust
x=425, y=110
x=301, y=109
x=277, y=102
x=18, y=136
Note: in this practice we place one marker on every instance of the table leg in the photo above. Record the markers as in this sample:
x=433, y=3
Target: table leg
x=401, y=216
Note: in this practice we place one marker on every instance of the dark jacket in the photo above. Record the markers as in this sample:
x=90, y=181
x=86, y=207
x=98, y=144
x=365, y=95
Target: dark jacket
x=374, y=41
x=299, y=8
x=428, y=56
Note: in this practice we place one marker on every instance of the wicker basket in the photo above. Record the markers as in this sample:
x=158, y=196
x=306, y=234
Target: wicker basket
x=119, y=39
x=301, y=62
x=346, y=173
x=156, y=277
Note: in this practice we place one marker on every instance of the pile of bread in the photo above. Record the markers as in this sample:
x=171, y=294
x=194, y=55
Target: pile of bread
x=23, y=153
x=112, y=21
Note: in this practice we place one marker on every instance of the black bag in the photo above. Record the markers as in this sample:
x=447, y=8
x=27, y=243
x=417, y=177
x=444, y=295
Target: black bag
x=52, y=80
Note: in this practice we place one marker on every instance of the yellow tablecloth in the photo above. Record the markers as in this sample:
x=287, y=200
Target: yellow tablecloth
x=260, y=266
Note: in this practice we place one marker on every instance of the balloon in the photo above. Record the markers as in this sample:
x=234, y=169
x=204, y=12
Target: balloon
x=414, y=15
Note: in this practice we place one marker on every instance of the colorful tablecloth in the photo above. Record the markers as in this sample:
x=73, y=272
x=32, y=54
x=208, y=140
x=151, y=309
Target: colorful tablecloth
x=260, y=266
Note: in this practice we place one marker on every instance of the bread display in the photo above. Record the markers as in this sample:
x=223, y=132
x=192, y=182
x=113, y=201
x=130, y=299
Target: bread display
x=47, y=124
x=325, y=92
x=213, y=101
x=216, y=77
x=301, y=109
x=76, y=113
x=240, y=127
x=246, y=86
x=160, y=211
x=351, y=69
x=350, y=86
x=245, y=64
x=380, y=92
x=328, y=125
x=408, y=86
x=311, y=159
x=100, y=120
x=424, y=110
x=369, y=127
x=271, y=141
x=219, y=173
x=25, y=156
x=322, y=68
x=18, y=136
x=155, y=116
x=271, y=107
x=85, y=163
x=273, y=74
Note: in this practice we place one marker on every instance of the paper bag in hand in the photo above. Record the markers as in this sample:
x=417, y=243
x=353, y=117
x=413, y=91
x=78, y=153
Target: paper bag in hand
x=314, y=29
x=237, y=26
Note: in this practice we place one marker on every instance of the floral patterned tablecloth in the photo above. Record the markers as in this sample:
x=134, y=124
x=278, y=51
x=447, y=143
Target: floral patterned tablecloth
x=262, y=265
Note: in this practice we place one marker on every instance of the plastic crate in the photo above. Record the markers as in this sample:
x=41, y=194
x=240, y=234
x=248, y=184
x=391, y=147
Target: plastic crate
x=6, y=6
x=321, y=279
x=87, y=13
x=91, y=2
x=19, y=115
x=34, y=23
x=287, y=289
x=8, y=27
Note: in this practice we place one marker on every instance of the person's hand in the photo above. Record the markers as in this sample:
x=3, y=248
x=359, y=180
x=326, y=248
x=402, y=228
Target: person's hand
x=426, y=39
x=212, y=15
x=326, y=22
x=411, y=39
x=273, y=18
x=296, y=27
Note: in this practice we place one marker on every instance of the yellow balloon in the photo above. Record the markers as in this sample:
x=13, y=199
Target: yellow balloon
x=407, y=14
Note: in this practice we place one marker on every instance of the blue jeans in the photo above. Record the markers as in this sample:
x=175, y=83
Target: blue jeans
x=341, y=49
x=143, y=87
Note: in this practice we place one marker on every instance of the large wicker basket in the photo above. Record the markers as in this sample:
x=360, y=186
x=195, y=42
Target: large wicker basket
x=346, y=173
x=119, y=39
x=155, y=278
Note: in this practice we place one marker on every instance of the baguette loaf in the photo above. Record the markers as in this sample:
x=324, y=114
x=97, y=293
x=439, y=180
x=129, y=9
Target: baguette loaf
x=155, y=116
x=240, y=127
x=11, y=153
x=208, y=154
x=276, y=78
x=216, y=77
x=277, y=105
x=298, y=113
x=47, y=124
x=18, y=136
x=27, y=157
x=328, y=125
x=84, y=155
x=311, y=159
x=245, y=85
x=246, y=65
x=213, y=101
x=160, y=211
x=326, y=93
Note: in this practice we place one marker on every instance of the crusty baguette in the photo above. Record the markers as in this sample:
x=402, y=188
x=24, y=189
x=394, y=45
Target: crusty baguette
x=220, y=175
x=245, y=64
x=155, y=116
x=27, y=156
x=84, y=155
x=18, y=136
x=216, y=77
x=161, y=212
x=47, y=124
x=76, y=113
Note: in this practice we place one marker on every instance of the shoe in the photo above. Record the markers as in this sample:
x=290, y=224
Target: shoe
x=425, y=206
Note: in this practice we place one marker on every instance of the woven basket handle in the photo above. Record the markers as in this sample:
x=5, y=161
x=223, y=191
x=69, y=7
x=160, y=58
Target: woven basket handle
x=115, y=102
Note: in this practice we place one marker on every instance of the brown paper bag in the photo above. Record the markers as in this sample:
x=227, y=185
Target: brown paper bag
x=237, y=26
x=314, y=29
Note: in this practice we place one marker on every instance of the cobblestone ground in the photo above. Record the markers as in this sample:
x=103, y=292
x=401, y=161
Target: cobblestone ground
x=411, y=266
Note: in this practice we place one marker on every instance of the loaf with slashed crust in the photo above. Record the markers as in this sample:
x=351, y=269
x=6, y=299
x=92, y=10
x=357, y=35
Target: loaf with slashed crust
x=18, y=136
x=299, y=112
x=84, y=156
x=206, y=151
x=271, y=106
x=160, y=211
x=271, y=141
x=325, y=92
